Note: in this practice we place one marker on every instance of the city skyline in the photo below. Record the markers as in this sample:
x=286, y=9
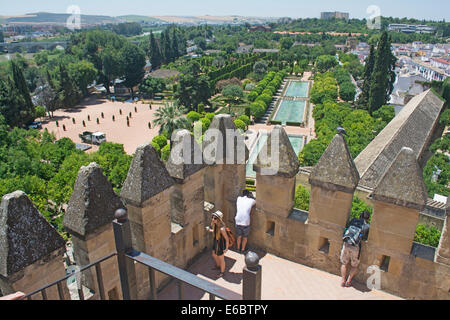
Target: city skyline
x=431, y=10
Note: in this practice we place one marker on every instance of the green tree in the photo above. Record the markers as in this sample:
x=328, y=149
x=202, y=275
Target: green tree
x=383, y=76
x=154, y=52
x=286, y=43
x=325, y=63
x=150, y=86
x=363, y=99
x=111, y=66
x=301, y=198
x=233, y=92
x=68, y=94
x=170, y=118
x=83, y=74
x=260, y=68
x=133, y=59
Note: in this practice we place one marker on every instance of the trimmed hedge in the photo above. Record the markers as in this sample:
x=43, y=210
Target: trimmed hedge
x=160, y=140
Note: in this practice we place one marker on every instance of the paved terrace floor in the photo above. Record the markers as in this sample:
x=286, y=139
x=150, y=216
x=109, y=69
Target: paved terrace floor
x=281, y=280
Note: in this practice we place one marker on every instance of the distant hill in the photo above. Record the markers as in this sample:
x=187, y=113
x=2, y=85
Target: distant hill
x=137, y=18
x=61, y=18
x=57, y=18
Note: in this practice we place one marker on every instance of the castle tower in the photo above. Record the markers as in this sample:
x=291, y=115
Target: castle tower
x=31, y=250
x=89, y=220
x=146, y=194
x=333, y=181
x=276, y=167
x=226, y=155
x=186, y=167
x=398, y=199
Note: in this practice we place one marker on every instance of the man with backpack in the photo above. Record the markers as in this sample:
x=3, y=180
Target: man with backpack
x=356, y=231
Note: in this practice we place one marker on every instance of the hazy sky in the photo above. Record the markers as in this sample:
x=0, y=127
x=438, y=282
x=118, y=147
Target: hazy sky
x=421, y=9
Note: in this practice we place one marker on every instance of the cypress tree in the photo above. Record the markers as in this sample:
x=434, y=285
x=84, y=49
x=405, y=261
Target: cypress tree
x=154, y=52
x=166, y=46
x=383, y=76
x=174, y=48
x=69, y=94
x=21, y=95
x=368, y=69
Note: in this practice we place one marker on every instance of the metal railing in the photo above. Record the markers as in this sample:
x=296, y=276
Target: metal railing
x=59, y=283
x=127, y=257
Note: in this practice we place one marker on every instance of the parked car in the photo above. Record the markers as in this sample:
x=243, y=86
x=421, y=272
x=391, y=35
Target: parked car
x=35, y=125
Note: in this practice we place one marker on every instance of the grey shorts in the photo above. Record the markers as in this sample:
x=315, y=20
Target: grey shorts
x=242, y=231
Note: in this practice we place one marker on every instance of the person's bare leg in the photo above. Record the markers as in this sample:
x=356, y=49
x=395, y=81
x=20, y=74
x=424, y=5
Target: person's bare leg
x=216, y=260
x=222, y=263
x=353, y=272
x=244, y=244
x=343, y=272
x=238, y=243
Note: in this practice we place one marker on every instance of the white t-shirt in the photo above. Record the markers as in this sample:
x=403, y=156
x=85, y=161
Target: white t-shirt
x=244, y=207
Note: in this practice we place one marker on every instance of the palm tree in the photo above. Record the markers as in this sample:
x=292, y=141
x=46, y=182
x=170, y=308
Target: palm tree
x=170, y=119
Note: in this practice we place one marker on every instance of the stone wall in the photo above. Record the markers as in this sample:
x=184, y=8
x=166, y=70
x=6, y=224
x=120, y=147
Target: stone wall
x=314, y=238
x=169, y=205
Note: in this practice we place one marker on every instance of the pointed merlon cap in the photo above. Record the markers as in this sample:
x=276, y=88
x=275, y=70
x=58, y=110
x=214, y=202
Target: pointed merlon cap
x=92, y=204
x=25, y=235
x=402, y=183
x=186, y=157
x=335, y=170
x=230, y=142
x=146, y=178
x=277, y=157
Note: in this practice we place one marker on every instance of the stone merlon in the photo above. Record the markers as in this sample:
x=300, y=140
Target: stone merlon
x=282, y=162
x=335, y=170
x=186, y=157
x=146, y=178
x=231, y=142
x=25, y=235
x=402, y=183
x=93, y=202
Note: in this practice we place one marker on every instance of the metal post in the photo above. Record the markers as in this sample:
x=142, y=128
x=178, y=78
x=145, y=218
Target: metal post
x=127, y=271
x=252, y=277
x=151, y=275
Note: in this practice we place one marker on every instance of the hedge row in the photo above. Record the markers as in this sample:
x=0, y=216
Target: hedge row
x=262, y=95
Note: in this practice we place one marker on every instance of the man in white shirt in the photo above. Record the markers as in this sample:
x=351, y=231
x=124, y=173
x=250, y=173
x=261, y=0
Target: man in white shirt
x=244, y=207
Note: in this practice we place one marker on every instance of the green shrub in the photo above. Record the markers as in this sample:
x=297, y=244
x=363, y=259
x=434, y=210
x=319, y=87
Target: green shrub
x=276, y=122
x=428, y=236
x=358, y=206
x=245, y=119
x=252, y=96
x=240, y=124
x=157, y=148
x=210, y=116
x=301, y=199
x=193, y=116
x=160, y=140
x=165, y=153
x=201, y=108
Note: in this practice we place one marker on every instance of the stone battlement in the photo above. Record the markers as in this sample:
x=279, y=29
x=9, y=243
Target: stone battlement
x=170, y=204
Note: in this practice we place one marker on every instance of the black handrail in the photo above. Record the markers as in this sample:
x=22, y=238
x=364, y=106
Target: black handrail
x=182, y=276
x=58, y=282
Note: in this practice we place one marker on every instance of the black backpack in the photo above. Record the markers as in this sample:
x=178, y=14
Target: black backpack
x=354, y=232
